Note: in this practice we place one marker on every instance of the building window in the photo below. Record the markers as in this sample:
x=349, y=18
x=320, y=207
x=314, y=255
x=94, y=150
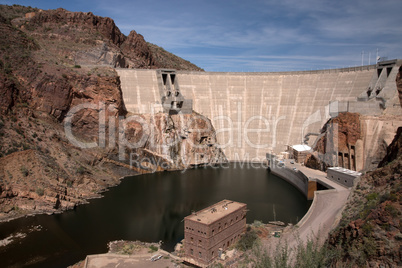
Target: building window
x=192, y=240
x=225, y=224
x=213, y=254
x=199, y=241
x=213, y=231
x=191, y=251
x=199, y=254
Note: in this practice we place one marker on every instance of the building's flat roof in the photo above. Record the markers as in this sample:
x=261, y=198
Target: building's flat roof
x=215, y=212
x=301, y=147
x=345, y=171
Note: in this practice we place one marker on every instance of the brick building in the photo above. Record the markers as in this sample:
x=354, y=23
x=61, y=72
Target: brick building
x=212, y=230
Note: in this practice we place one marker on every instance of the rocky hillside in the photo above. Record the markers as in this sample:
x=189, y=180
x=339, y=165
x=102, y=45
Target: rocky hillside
x=62, y=116
x=370, y=231
x=87, y=39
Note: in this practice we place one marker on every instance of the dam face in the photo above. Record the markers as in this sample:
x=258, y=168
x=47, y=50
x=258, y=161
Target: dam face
x=256, y=113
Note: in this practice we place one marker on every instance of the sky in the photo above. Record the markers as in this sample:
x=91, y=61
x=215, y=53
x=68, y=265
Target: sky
x=257, y=35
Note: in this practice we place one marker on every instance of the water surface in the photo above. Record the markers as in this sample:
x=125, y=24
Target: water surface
x=149, y=208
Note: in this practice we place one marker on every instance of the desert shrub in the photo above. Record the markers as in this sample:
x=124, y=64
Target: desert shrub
x=81, y=170
x=372, y=196
x=153, y=248
x=24, y=171
x=391, y=210
x=11, y=150
x=40, y=191
x=257, y=223
x=389, y=196
x=127, y=249
x=77, y=66
x=247, y=240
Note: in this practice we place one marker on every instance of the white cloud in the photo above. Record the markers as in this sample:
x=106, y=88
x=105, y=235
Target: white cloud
x=236, y=35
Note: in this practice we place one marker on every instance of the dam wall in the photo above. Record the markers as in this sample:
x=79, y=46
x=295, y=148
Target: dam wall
x=255, y=113
x=296, y=178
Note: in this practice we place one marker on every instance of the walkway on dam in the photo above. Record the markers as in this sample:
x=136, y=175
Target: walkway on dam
x=324, y=214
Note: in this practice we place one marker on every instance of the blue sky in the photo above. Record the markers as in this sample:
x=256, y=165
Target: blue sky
x=257, y=35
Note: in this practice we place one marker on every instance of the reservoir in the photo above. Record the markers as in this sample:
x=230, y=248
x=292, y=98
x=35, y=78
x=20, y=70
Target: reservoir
x=149, y=208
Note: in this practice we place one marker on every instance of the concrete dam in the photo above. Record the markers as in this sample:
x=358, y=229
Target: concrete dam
x=256, y=113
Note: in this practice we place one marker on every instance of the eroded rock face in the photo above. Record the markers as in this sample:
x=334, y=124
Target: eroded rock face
x=394, y=149
x=135, y=48
x=399, y=84
x=173, y=142
x=88, y=94
x=348, y=132
x=8, y=93
x=52, y=95
x=94, y=97
x=339, y=139
x=359, y=143
x=104, y=25
x=44, y=188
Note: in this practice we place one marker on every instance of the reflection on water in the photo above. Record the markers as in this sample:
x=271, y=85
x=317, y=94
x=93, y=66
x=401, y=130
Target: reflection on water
x=149, y=208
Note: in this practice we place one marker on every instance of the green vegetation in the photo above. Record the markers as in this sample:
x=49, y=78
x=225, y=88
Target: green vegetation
x=81, y=170
x=372, y=196
x=128, y=249
x=257, y=223
x=153, y=248
x=40, y=191
x=307, y=255
x=24, y=171
x=247, y=240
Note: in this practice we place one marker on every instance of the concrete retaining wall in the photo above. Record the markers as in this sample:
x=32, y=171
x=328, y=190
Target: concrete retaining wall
x=253, y=113
x=296, y=178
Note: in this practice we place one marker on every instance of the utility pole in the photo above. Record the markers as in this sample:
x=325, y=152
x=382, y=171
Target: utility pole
x=362, y=57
